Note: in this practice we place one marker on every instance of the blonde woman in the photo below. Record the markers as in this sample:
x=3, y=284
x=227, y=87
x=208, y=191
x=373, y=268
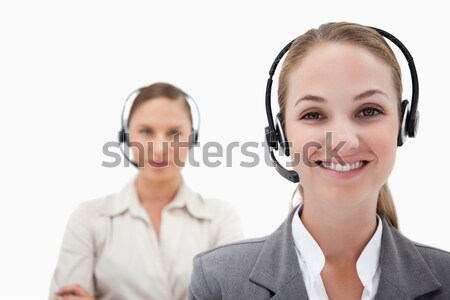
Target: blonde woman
x=341, y=113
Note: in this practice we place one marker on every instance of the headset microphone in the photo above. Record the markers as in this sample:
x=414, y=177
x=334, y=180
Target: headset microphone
x=276, y=138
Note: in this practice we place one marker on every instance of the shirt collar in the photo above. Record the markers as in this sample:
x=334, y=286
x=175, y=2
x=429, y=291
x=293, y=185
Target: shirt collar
x=128, y=200
x=193, y=202
x=310, y=251
x=314, y=258
x=368, y=261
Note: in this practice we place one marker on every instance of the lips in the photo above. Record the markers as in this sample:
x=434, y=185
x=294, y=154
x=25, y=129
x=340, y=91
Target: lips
x=157, y=164
x=346, y=167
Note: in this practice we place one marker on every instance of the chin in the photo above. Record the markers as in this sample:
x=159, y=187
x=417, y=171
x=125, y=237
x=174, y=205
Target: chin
x=345, y=197
x=160, y=175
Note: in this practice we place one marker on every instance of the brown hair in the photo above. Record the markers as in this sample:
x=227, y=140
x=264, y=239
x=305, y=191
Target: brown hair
x=354, y=34
x=157, y=90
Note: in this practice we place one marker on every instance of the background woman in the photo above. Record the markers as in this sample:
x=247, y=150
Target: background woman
x=139, y=243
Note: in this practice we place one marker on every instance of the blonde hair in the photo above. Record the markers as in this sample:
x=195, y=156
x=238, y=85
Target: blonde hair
x=355, y=34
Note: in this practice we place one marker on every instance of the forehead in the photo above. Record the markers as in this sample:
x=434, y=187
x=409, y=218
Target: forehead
x=161, y=110
x=337, y=65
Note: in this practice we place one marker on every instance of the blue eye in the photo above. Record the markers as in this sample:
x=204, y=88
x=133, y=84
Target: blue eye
x=145, y=131
x=311, y=116
x=369, y=112
x=174, y=132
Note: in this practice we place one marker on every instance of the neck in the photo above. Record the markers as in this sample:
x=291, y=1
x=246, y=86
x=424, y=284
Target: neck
x=156, y=194
x=341, y=232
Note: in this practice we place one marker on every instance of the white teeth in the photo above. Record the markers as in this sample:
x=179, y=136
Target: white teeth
x=343, y=168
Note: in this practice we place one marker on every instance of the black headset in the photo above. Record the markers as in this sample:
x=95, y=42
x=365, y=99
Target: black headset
x=124, y=132
x=275, y=136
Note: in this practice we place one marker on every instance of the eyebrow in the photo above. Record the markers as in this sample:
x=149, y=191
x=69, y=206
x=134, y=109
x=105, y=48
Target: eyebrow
x=176, y=127
x=369, y=93
x=310, y=98
x=359, y=97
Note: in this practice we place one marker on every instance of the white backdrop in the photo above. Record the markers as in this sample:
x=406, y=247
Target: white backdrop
x=67, y=67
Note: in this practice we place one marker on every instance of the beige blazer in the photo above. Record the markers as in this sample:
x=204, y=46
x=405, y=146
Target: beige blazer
x=111, y=249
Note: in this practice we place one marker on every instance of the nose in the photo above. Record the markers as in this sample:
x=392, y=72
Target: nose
x=158, y=149
x=343, y=137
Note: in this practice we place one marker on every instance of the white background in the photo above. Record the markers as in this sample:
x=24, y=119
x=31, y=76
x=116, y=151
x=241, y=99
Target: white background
x=67, y=67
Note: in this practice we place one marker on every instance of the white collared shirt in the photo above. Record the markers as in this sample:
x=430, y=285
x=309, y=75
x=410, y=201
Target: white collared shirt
x=111, y=249
x=312, y=261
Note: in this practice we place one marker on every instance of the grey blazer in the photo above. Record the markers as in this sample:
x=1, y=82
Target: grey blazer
x=268, y=268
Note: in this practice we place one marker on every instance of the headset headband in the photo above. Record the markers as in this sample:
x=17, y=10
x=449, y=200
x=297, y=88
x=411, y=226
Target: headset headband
x=195, y=115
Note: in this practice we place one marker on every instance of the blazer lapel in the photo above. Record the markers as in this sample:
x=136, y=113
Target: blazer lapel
x=293, y=290
x=277, y=267
x=404, y=273
x=387, y=290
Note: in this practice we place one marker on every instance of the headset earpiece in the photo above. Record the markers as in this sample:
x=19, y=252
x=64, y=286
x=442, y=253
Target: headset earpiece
x=413, y=125
x=281, y=137
x=193, y=138
x=403, y=130
x=271, y=138
x=123, y=137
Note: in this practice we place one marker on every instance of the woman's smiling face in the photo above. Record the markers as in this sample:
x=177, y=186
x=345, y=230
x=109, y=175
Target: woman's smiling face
x=342, y=97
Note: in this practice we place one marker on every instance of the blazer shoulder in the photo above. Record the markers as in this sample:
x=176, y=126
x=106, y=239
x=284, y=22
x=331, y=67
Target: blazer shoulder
x=224, y=268
x=431, y=249
x=438, y=261
x=434, y=254
x=240, y=251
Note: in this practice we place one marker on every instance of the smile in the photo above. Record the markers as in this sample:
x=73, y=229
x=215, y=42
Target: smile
x=344, y=167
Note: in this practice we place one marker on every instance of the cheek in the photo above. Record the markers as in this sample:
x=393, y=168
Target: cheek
x=383, y=134
x=178, y=155
x=384, y=145
x=138, y=152
x=302, y=138
x=136, y=146
x=178, y=152
x=304, y=143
